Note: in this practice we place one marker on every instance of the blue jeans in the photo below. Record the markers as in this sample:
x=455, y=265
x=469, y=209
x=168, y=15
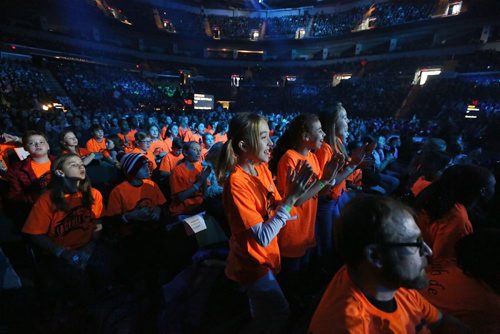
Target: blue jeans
x=268, y=306
x=328, y=211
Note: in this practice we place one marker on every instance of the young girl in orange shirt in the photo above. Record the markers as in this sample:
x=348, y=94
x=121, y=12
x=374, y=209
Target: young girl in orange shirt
x=69, y=144
x=256, y=212
x=64, y=223
x=303, y=135
x=335, y=124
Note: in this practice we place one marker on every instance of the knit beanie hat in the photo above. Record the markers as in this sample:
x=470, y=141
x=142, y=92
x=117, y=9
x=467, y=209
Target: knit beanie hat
x=132, y=162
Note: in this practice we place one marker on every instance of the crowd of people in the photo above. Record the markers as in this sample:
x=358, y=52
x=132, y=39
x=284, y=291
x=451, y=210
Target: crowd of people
x=319, y=25
x=295, y=188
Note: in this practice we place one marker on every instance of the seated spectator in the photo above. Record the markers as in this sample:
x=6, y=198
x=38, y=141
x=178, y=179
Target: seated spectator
x=208, y=142
x=137, y=199
x=188, y=182
x=135, y=208
x=64, y=224
x=468, y=287
x=171, y=132
x=97, y=144
x=443, y=206
x=220, y=134
x=114, y=146
x=198, y=132
x=170, y=161
x=375, y=176
x=29, y=178
x=142, y=144
x=428, y=169
x=69, y=144
x=158, y=147
x=385, y=259
x=126, y=135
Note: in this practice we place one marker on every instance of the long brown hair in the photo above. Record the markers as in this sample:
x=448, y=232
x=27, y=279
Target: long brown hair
x=59, y=185
x=329, y=118
x=292, y=137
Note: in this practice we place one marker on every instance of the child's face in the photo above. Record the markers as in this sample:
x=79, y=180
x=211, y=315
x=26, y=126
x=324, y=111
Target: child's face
x=176, y=151
x=193, y=154
x=98, y=134
x=143, y=172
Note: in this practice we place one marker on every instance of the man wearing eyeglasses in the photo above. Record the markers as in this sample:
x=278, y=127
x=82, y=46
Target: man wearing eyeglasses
x=385, y=260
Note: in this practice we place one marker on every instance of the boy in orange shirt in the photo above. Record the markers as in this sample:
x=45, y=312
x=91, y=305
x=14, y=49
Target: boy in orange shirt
x=135, y=207
x=170, y=161
x=188, y=182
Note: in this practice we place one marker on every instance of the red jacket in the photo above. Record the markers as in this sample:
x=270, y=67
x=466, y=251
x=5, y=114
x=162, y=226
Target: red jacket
x=23, y=184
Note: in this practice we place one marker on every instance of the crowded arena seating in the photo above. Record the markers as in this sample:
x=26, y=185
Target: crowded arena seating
x=151, y=188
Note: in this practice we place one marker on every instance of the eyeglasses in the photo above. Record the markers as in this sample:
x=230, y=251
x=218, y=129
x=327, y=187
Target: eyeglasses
x=420, y=244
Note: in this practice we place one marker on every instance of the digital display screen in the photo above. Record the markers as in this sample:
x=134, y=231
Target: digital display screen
x=203, y=102
x=472, y=111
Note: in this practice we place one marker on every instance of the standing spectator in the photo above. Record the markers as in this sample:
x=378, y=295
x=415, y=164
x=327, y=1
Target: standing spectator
x=256, y=213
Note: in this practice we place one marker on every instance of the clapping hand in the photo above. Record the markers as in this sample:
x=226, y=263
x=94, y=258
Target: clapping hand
x=299, y=181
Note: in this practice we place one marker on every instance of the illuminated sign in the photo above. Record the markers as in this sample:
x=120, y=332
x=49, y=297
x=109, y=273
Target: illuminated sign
x=203, y=102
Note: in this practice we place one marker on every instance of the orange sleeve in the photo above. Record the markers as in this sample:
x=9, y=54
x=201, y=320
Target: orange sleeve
x=168, y=144
x=115, y=204
x=97, y=206
x=430, y=313
x=164, y=164
x=40, y=216
x=285, y=162
x=178, y=180
x=83, y=152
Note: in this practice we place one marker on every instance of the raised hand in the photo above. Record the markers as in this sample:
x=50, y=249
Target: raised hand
x=299, y=181
x=332, y=167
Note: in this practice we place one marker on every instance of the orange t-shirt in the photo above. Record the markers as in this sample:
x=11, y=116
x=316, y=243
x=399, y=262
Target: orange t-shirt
x=250, y=200
x=345, y=309
x=128, y=140
x=163, y=132
x=72, y=229
x=183, y=132
x=218, y=138
x=295, y=238
x=126, y=197
x=80, y=151
x=324, y=155
x=168, y=144
x=467, y=298
x=356, y=178
x=419, y=185
x=169, y=162
x=4, y=152
x=40, y=169
x=158, y=147
x=149, y=155
x=197, y=138
x=182, y=179
x=97, y=147
x=443, y=234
